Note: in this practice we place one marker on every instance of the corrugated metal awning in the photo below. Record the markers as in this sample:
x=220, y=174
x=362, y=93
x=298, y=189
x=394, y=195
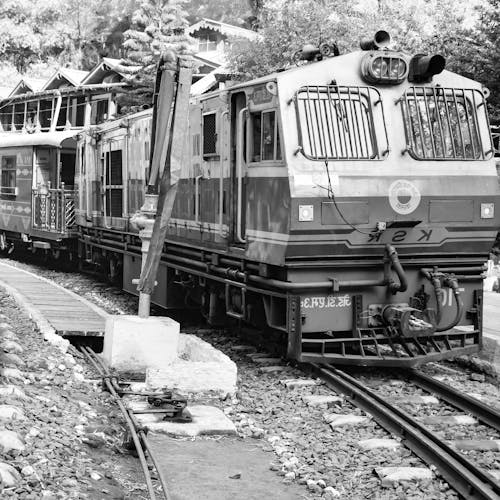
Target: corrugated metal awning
x=54, y=139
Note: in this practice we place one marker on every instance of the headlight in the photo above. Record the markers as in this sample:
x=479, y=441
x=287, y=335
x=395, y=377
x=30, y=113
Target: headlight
x=487, y=210
x=306, y=213
x=384, y=67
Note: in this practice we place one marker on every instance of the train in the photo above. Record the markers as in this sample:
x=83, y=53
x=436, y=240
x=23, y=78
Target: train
x=345, y=205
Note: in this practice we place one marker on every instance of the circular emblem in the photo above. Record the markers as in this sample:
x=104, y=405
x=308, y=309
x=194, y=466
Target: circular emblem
x=404, y=196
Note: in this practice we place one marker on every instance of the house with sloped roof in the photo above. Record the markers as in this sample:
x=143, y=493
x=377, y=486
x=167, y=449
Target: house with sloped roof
x=26, y=85
x=65, y=77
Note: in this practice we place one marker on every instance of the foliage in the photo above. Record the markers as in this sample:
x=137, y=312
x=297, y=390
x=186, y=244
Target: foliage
x=157, y=26
x=415, y=26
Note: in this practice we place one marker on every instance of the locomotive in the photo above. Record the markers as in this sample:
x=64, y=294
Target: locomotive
x=346, y=205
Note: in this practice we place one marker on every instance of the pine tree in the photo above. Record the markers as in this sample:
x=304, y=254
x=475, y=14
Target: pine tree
x=157, y=27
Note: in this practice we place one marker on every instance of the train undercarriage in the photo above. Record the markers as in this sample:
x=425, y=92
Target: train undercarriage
x=334, y=320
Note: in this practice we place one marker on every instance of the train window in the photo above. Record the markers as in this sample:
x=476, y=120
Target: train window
x=209, y=135
x=338, y=122
x=265, y=137
x=8, y=175
x=442, y=123
x=114, y=183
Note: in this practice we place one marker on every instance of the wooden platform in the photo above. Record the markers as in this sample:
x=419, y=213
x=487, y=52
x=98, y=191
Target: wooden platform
x=65, y=311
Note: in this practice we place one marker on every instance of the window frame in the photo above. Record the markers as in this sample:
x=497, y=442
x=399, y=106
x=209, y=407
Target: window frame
x=372, y=100
x=411, y=95
x=11, y=190
x=277, y=141
x=215, y=153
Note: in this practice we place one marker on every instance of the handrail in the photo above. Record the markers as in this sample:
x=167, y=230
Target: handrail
x=239, y=165
x=197, y=198
x=221, y=173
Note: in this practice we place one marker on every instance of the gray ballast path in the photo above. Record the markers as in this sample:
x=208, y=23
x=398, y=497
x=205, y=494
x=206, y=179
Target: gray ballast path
x=65, y=311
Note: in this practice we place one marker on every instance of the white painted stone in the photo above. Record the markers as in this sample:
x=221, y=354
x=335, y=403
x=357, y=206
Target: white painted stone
x=329, y=493
x=11, y=346
x=207, y=420
x=199, y=368
x=12, y=390
x=293, y=383
x=336, y=420
x=56, y=340
x=10, y=476
x=10, y=440
x=377, y=443
x=391, y=475
x=320, y=400
x=136, y=344
x=27, y=470
x=9, y=412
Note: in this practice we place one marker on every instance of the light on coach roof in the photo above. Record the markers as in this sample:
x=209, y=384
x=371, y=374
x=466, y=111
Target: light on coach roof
x=384, y=67
x=306, y=213
x=487, y=210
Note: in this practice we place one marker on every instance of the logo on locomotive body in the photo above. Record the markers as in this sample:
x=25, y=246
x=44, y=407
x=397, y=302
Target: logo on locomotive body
x=404, y=196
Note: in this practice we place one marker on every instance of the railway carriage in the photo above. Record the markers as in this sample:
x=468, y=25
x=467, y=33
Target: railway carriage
x=348, y=203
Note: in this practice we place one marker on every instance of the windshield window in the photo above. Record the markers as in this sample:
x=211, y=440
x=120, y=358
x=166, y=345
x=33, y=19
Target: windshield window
x=338, y=122
x=442, y=123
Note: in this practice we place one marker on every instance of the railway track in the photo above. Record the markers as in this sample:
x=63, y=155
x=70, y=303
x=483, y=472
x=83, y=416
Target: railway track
x=466, y=478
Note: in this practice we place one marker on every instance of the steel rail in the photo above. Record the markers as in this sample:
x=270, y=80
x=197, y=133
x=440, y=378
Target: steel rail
x=140, y=431
x=484, y=413
x=463, y=476
x=137, y=433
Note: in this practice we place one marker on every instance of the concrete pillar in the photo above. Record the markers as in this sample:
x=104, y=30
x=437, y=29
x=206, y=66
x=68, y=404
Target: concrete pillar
x=133, y=344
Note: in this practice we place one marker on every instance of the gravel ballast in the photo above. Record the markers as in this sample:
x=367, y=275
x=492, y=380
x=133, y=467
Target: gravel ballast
x=329, y=461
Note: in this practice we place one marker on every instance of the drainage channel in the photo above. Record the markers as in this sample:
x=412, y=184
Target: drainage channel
x=465, y=477
x=136, y=431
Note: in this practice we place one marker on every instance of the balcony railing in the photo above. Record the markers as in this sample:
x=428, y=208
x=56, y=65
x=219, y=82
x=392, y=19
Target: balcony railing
x=53, y=209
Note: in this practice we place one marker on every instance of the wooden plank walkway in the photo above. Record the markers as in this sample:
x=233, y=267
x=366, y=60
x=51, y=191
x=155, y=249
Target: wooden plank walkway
x=65, y=311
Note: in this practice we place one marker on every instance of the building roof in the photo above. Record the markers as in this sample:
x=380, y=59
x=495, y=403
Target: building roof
x=27, y=85
x=65, y=77
x=225, y=29
x=111, y=69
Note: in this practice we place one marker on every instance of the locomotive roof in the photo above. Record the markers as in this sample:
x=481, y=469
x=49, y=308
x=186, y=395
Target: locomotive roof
x=345, y=65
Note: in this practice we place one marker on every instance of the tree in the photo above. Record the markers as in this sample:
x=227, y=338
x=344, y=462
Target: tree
x=157, y=27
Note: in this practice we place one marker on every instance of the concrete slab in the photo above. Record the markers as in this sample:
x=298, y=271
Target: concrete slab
x=319, y=400
x=336, y=420
x=478, y=445
x=244, y=349
x=494, y=473
x=134, y=344
x=207, y=420
x=416, y=399
x=392, y=475
x=293, y=383
x=450, y=420
x=199, y=368
x=378, y=443
x=273, y=369
x=267, y=361
x=222, y=469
